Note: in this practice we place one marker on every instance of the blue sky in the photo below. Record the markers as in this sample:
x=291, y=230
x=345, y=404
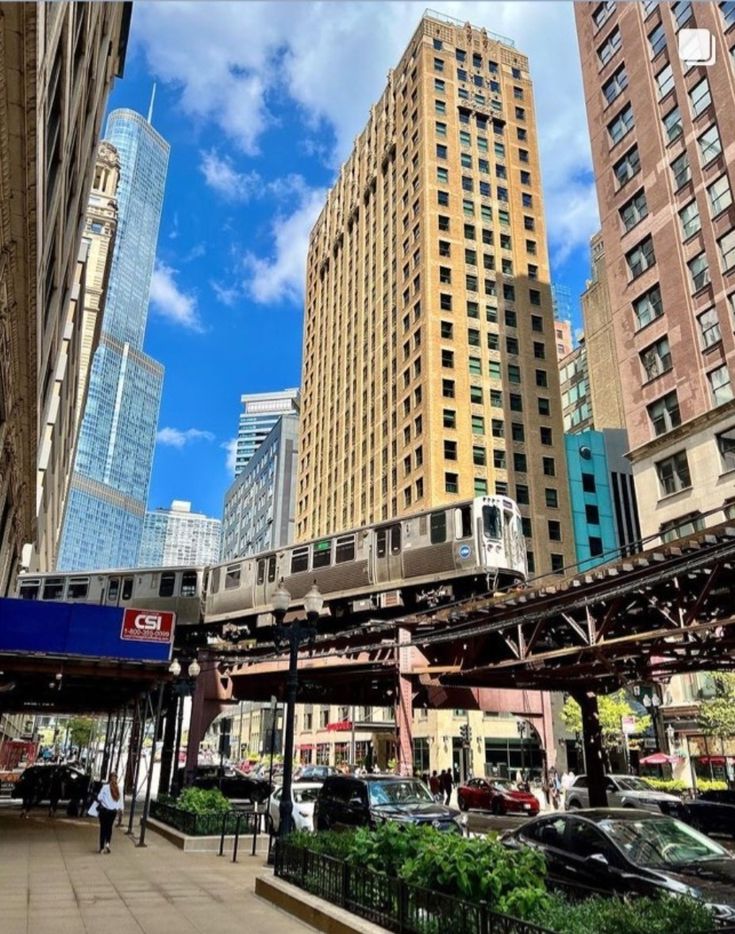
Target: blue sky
x=260, y=103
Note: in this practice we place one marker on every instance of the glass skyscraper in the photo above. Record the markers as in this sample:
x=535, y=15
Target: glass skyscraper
x=103, y=522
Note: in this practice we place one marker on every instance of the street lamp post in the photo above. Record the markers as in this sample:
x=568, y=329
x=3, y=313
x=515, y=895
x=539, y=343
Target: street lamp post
x=182, y=686
x=292, y=635
x=522, y=725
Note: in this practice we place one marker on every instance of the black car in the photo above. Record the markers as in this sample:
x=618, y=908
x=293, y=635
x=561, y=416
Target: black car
x=626, y=851
x=315, y=773
x=233, y=783
x=712, y=812
x=345, y=802
x=39, y=782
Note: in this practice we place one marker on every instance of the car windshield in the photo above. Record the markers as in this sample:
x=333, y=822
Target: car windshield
x=634, y=784
x=406, y=792
x=302, y=795
x=502, y=784
x=662, y=842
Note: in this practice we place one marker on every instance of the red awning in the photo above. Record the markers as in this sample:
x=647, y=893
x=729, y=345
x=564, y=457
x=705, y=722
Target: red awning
x=658, y=758
x=340, y=726
x=711, y=760
x=305, y=746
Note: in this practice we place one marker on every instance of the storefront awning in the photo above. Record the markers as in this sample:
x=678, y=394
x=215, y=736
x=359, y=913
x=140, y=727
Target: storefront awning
x=339, y=726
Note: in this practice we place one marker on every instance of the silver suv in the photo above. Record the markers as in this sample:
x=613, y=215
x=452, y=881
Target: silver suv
x=623, y=791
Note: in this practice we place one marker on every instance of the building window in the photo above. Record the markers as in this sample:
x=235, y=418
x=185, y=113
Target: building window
x=641, y=257
x=672, y=125
x=690, y=222
x=709, y=144
x=673, y=473
x=522, y=494
x=448, y=359
x=498, y=428
x=591, y=514
x=657, y=40
x=588, y=483
x=544, y=406
x=451, y=483
x=665, y=81
x=594, y=543
x=627, y=166
x=549, y=466
x=728, y=14
x=720, y=196
x=546, y=435
x=720, y=385
x=478, y=425
x=448, y=388
x=699, y=271
x=700, y=97
x=682, y=12
x=519, y=462
x=554, y=528
x=445, y=302
x=557, y=563
x=664, y=414
x=726, y=446
x=727, y=250
x=656, y=359
x=449, y=418
x=621, y=124
x=480, y=486
x=615, y=86
x=633, y=211
x=609, y=47
x=479, y=456
x=551, y=497
x=450, y=450
x=709, y=328
x=499, y=459
x=476, y=395
x=680, y=528
x=681, y=170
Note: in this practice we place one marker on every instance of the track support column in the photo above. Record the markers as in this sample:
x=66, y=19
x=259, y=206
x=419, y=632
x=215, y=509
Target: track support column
x=404, y=706
x=592, y=734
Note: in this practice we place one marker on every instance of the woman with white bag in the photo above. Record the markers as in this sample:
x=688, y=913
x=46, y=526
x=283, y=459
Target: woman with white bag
x=109, y=804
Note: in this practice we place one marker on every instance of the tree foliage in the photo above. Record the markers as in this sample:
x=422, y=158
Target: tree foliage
x=717, y=715
x=612, y=709
x=80, y=731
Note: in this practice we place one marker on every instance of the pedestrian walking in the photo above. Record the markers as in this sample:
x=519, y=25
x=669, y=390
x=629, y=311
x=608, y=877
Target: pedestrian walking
x=447, y=786
x=55, y=792
x=434, y=784
x=110, y=801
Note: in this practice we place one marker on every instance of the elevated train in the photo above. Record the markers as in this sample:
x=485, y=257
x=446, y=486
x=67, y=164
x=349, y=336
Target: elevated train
x=467, y=548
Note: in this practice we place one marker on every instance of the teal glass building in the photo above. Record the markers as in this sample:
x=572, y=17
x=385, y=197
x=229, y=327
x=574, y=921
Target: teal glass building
x=105, y=509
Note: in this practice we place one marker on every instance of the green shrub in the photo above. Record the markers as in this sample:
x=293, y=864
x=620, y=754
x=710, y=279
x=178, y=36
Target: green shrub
x=674, y=786
x=665, y=915
x=709, y=784
x=201, y=801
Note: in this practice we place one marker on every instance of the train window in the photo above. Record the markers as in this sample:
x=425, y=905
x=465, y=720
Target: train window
x=29, y=590
x=491, y=522
x=381, y=542
x=300, y=559
x=345, y=549
x=189, y=584
x=114, y=590
x=395, y=540
x=322, y=554
x=463, y=521
x=232, y=577
x=261, y=571
x=271, y=569
x=78, y=588
x=127, y=588
x=214, y=579
x=438, y=527
x=165, y=588
x=53, y=588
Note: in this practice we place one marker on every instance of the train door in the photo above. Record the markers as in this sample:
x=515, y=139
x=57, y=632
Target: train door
x=126, y=591
x=265, y=575
x=113, y=590
x=388, y=563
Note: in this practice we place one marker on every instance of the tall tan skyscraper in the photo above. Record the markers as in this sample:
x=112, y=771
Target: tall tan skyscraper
x=663, y=138
x=430, y=368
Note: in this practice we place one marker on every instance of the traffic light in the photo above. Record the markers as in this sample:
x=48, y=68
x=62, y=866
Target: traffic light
x=464, y=733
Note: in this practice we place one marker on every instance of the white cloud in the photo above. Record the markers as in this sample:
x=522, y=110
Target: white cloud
x=231, y=448
x=231, y=60
x=220, y=174
x=281, y=275
x=170, y=302
x=176, y=438
x=226, y=295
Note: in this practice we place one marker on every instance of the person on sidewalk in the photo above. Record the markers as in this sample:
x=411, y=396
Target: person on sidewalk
x=110, y=801
x=447, y=786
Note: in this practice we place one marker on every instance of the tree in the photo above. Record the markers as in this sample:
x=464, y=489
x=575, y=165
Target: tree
x=717, y=715
x=612, y=708
x=80, y=731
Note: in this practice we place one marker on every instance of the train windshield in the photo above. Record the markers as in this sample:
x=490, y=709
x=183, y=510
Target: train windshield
x=491, y=522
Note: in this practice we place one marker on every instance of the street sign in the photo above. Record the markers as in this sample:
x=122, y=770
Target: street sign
x=629, y=725
x=148, y=625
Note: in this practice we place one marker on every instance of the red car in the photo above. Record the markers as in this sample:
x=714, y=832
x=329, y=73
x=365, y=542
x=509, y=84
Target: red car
x=497, y=795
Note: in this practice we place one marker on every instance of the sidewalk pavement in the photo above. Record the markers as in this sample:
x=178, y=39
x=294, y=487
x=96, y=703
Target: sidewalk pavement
x=53, y=881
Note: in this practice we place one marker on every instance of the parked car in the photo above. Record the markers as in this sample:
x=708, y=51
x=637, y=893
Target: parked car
x=712, y=812
x=315, y=773
x=625, y=851
x=348, y=801
x=233, y=783
x=74, y=785
x=498, y=795
x=303, y=795
x=624, y=791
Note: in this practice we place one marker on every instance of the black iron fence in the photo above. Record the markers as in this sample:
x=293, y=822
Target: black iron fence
x=211, y=823
x=388, y=901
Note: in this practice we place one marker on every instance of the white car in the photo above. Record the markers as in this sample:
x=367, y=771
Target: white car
x=623, y=791
x=303, y=795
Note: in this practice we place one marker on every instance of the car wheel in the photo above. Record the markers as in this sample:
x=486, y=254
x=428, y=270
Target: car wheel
x=573, y=806
x=497, y=807
x=462, y=803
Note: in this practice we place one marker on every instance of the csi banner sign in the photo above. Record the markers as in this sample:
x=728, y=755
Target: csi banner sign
x=148, y=625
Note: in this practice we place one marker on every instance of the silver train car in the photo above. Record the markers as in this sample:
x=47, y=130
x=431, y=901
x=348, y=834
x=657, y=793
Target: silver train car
x=178, y=589
x=470, y=547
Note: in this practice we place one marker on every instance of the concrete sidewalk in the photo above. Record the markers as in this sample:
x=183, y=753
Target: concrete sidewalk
x=53, y=881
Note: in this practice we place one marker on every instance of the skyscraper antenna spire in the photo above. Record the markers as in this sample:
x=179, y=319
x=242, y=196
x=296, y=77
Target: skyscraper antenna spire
x=150, y=108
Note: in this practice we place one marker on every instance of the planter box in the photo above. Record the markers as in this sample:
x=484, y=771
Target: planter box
x=209, y=824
